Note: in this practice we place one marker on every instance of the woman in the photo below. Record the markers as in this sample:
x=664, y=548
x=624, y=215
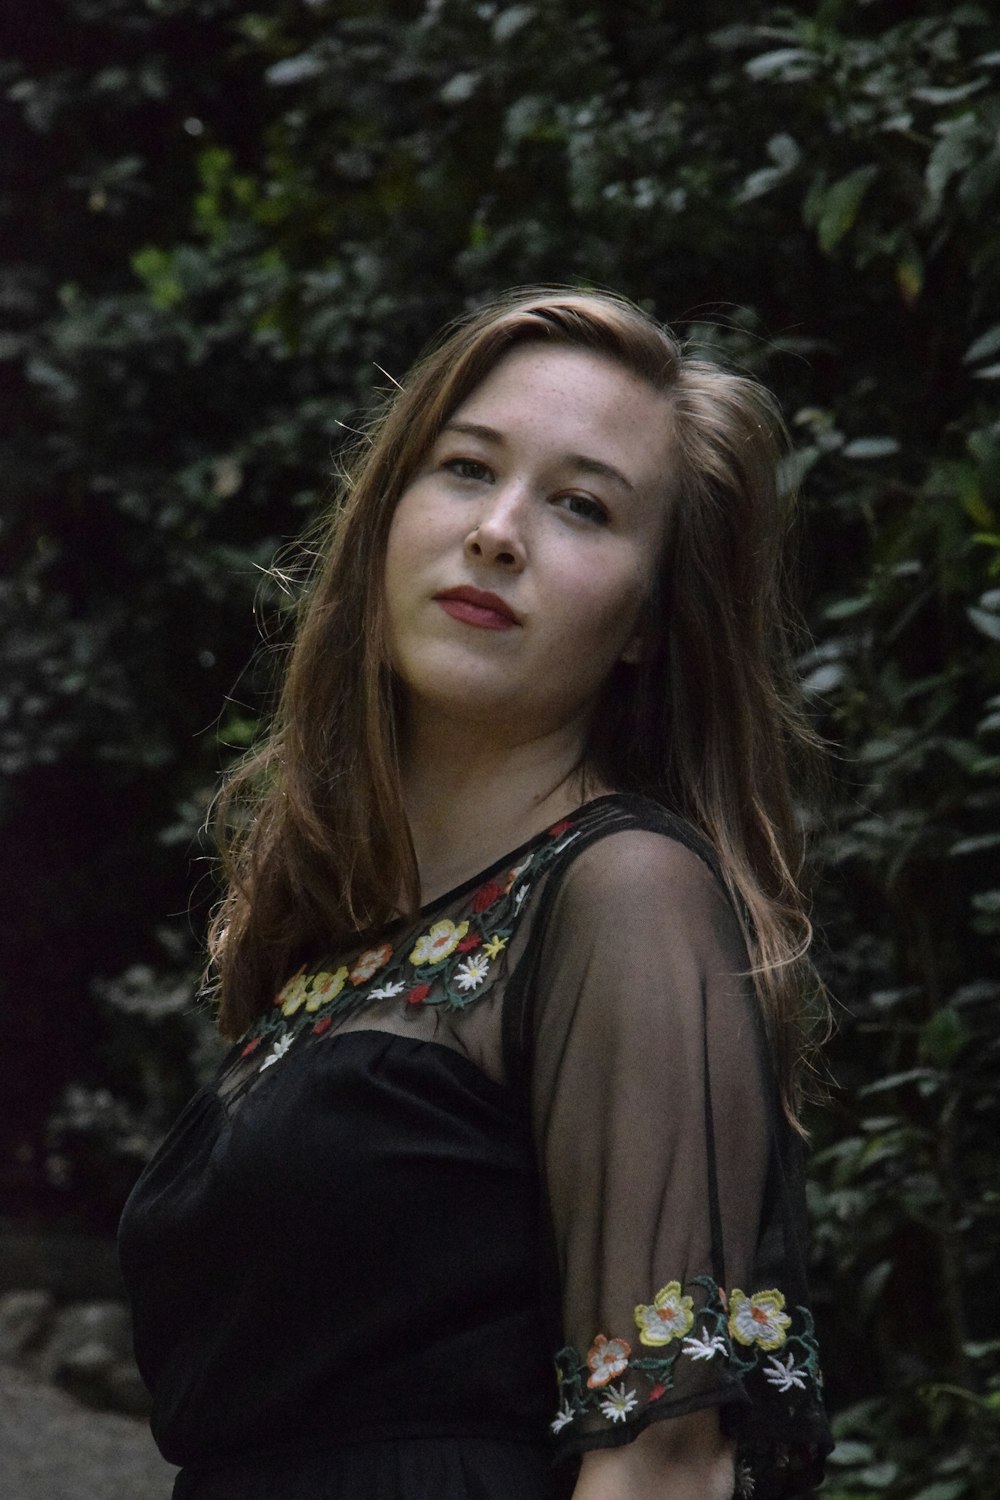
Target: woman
x=513, y=958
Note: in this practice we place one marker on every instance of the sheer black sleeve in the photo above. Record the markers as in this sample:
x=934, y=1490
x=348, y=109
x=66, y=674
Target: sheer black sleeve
x=671, y=1178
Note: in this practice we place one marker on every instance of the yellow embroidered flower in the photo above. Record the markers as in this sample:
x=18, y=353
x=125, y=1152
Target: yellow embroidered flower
x=291, y=996
x=758, y=1319
x=670, y=1316
x=607, y=1358
x=494, y=946
x=443, y=938
x=369, y=963
x=326, y=987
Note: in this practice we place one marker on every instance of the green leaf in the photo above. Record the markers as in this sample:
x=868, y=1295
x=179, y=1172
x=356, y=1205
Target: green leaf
x=788, y=63
x=942, y=1489
x=871, y=447
x=894, y=1081
x=954, y=151
x=839, y=205
x=987, y=623
x=850, y=1451
x=987, y=343
x=512, y=20
x=880, y=1475
x=943, y=1037
x=846, y=609
x=976, y=844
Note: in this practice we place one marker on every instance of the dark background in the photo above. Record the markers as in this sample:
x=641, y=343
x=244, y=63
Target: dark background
x=219, y=226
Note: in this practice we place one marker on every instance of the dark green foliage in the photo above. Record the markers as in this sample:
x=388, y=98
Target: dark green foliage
x=220, y=227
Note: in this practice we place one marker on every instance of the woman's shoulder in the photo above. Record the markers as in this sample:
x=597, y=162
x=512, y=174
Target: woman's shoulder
x=629, y=849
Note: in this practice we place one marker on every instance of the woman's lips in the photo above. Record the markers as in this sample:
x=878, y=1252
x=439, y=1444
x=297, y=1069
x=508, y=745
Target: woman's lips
x=477, y=607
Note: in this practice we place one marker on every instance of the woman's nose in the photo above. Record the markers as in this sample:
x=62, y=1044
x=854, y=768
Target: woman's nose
x=499, y=535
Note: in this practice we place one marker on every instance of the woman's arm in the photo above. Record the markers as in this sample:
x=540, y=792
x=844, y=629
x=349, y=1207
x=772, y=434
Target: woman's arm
x=683, y=1458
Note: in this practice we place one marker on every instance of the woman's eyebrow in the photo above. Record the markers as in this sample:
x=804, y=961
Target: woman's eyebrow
x=580, y=461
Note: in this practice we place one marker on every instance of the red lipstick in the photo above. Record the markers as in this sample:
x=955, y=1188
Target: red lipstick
x=477, y=607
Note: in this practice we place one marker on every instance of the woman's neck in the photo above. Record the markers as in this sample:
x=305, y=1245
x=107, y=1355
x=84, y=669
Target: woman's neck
x=469, y=800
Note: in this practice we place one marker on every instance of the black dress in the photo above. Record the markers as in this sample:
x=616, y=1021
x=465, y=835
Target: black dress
x=505, y=1183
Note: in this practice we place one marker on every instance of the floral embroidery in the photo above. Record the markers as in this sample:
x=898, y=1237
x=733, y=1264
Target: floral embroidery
x=457, y=959
x=683, y=1325
x=443, y=938
x=562, y=1418
x=471, y=974
x=486, y=896
x=388, y=991
x=293, y=994
x=705, y=1347
x=786, y=1375
x=758, y=1319
x=745, y=1485
x=325, y=987
x=368, y=964
x=617, y=1403
x=278, y=1051
x=514, y=874
x=607, y=1358
x=561, y=827
x=670, y=1316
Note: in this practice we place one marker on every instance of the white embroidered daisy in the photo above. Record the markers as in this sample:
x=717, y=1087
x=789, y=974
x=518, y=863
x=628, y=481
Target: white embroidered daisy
x=704, y=1347
x=786, y=1375
x=278, y=1051
x=470, y=975
x=387, y=991
x=562, y=1418
x=618, y=1402
x=745, y=1483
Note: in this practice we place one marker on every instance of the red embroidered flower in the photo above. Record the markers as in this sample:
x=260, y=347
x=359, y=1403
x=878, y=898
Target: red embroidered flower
x=468, y=943
x=250, y=1047
x=323, y=1025
x=659, y=1389
x=486, y=895
x=418, y=994
x=561, y=827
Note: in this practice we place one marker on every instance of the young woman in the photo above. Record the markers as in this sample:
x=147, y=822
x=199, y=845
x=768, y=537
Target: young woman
x=513, y=959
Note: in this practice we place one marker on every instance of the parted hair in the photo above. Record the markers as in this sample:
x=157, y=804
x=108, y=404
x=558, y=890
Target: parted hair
x=315, y=844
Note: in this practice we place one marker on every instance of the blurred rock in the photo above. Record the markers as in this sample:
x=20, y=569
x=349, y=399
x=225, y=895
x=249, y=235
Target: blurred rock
x=25, y=1318
x=125, y=1390
x=87, y=1339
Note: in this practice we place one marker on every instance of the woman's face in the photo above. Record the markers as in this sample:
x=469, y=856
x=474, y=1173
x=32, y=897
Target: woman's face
x=522, y=552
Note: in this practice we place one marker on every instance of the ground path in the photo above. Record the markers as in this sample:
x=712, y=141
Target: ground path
x=52, y=1448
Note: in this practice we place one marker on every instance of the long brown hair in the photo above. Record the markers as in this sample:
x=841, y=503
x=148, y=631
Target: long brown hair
x=315, y=841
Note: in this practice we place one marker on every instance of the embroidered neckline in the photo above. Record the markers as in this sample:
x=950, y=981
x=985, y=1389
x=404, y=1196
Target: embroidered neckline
x=453, y=962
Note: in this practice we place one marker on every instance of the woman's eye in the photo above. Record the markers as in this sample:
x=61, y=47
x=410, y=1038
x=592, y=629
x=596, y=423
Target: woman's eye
x=584, y=506
x=467, y=468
